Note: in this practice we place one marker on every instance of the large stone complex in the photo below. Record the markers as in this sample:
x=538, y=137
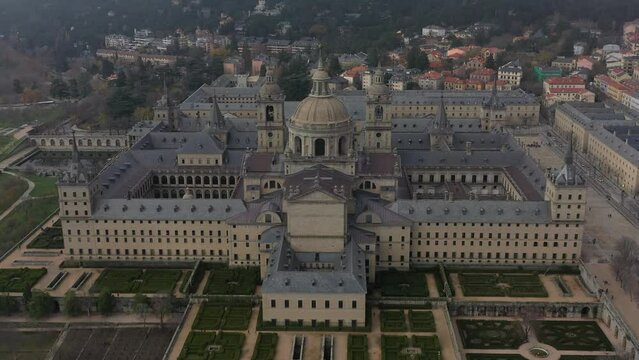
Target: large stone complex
x=322, y=200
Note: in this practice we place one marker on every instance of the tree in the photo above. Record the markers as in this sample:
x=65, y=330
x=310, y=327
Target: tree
x=294, y=80
x=40, y=305
x=106, y=68
x=74, y=91
x=105, y=302
x=417, y=59
x=529, y=315
x=59, y=89
x=490, y=62
x=27, y=294
x=334, y=67
x=246, y=56
x=626, y=261
x=8, y=305
x=143, y=113
x=17, y=86
x=141, y=306
x=71, y=304
x=164, y=305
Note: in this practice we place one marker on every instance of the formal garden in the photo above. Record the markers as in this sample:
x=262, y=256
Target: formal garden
x=413, y=348
x=396, y=283
x=50, y=238
x=494, y=357
x=393, y=321
x=236, y=281
x=491, y=334
x=213, y=346
x=502, y=284
x=572, y=335
x=421, y=321
x=357, y=347
x=213, y=316
x=265, y=346
x=17, y=280
x=147, y=281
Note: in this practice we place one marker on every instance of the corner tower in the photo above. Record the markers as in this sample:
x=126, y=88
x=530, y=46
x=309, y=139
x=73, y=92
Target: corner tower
x=566, y=191
x=378, y=115
x=271, y=129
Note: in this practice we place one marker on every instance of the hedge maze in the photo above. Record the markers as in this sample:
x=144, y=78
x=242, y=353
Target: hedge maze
x=393, y=321
x=405, y=284
x=572, y=335
x=491, y=334
x=211, y=346
x=421, y=321
x=357, y=347
x=495, y=357
x=225, y=317
x=265, y=346
x=236, y=281
x=17, y=280
x=137, y=280
x=416, y=348
x=495, y=284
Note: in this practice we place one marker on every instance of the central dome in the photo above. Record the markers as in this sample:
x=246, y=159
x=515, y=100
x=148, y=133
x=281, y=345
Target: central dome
x=320, y=110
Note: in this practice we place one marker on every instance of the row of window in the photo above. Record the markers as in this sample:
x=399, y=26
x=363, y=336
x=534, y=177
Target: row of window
x=327, y=304
x=480, y=255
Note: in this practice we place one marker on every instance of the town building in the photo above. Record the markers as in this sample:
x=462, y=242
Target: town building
x=434, y=31
x=564, y=89
x=511, y=73
x=566, y=64
x=543, y=72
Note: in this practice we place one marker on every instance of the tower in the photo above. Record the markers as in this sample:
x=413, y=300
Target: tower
x=566, y=191
x=441, y=135
x=494, y=111
x=378, y=115
x=271, y=130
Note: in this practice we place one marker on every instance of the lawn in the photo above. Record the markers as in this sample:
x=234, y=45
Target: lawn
x=497, y=284
x=393, y=346
x=24, y=218
x=26, y=344
x=491, y=334
x=357, y=347
x=393, y=321
x=395, y=283
x=50, y=238
x=265, y=346
x=11, y=188
x=495, y=357
x=205, y=345
x=137, y=280
x=17, y=280
x=421, y=321
x=44, y=185
x=572, y=335
x=214, y=316
x=236, y=281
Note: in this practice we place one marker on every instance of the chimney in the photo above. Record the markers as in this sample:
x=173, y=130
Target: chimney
x=468, y=148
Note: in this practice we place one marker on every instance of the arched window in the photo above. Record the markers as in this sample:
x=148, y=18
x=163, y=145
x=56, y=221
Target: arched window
x=207, y=180
x=181, y=180
x=70, y=141
x=198, y=180
x=270, y=113
x=43, y=142
x=189, y=180
x=117, y=142
x=320, y=147
x=172, y=180
x=222, y=180
x=108, y=142
x=52, y=142
x=298, y=145
x=61, y=142
x=215, y=182
x=379, y=112
x=89, y=142
x=341, y=146
x=216, y=194
x=99, y=142
x=231, y=180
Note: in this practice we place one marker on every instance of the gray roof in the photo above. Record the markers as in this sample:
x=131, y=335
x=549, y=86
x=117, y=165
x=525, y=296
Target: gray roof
x=168, y=209
x=478, y=211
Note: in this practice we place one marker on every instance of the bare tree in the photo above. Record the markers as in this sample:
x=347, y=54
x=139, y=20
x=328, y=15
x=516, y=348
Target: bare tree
x=164, y=304
x=529, y=315
x=625, y=262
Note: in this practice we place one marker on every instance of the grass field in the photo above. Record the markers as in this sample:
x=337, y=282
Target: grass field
x=17, y=280
x=11, y=188
x=50, y=238
x=137, y=280
x=265, y=346
x=26, y=345
x=44, y=185
x=24, y=218
x=491, y=334
x=214, y=316
x=572, y=335
x=236, y=281
x=502, y=284
x=395, y=283
x=211, y=346
x=357, y=347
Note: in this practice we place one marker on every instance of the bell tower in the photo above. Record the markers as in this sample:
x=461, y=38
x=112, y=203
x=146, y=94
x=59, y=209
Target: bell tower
x=271, y=128
x=378, y=115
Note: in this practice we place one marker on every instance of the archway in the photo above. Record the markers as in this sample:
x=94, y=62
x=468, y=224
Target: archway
x=320, y=147
x=298, y=145
x=341, y=146
x=585, y=311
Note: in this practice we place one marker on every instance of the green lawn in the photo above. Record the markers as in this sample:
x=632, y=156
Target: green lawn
x=357, y=347
x=214, y=316
x=26, y=345
x=572, y=335
x=491, y=334
x=24, y=218
x=205, y=345
x=265, y=346
x=50, y=238
x=502, y=284
x=44, y=185
x=495, y=357
x=137, y=280
x=421, y=321
x=393, y=321
x=209, y=317
x=396, y=283
x=236, y=281
x=17, y=280
x=392, y=347
x=11, y=188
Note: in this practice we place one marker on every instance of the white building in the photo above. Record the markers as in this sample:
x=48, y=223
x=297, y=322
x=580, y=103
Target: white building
x=434, y=30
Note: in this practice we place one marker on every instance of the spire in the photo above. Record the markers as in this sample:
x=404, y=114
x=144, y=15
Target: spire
x=75, y=155
x=568, y=155
x=441, y=121
x=320, y=79
x=216, y=119
x=169, y=106
x=568, y=174
x=320, y=62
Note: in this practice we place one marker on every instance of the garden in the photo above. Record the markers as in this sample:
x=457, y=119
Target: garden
x=415, y=348
x=491, y=334
x=236, y=281
x=405, y=284
x=226, y=317
x=357, y=347
x=393, y=321
x=421, y=321
x=24, y=218
x=494, y=357
x=17, y=280
x=265, y=346
x=502, y=284
x=147, y=281
x=50, y=238
x=211, y=346
x=572, y=335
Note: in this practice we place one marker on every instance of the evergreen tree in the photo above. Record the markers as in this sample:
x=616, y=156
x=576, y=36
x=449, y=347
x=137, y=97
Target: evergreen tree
x=141, y=305
x=417, y=59
x=372, y=58
x=17, y=86
x=105, y=302
x=8, y=305
x=59, y=89
x=295, y=81
x=71, y=304
x=334, y=67
x=490, y=62
x=40, y=305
